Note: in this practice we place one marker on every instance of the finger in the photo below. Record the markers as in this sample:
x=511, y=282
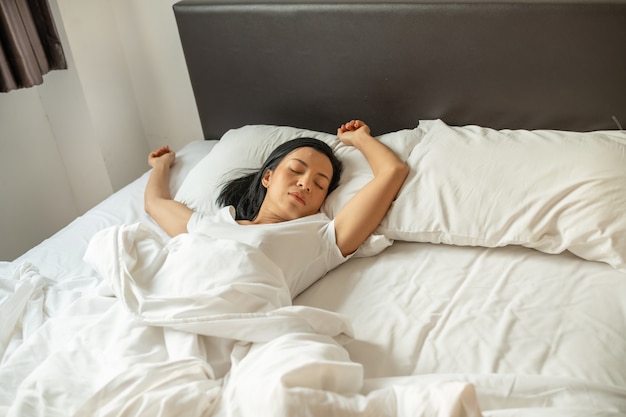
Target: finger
x=161, y=151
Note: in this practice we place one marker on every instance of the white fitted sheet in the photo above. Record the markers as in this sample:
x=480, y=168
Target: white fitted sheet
x=536, y=334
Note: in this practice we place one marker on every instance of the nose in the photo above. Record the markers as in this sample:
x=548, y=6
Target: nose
x=304, y=183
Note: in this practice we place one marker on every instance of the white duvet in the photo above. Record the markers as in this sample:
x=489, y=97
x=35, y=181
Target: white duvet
x=196, y=326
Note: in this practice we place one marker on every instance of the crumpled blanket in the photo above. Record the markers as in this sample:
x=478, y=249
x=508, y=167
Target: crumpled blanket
x=198, y=326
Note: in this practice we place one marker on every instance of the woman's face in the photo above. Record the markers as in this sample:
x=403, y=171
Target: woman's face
x=298, y=185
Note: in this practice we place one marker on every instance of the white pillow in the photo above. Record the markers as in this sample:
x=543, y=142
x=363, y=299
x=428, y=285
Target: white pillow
x=543, y=189
x=239, y=149
x=356, y=169
x=247, y=147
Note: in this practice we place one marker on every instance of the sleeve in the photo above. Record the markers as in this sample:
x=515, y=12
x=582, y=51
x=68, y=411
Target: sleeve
x=195, y=221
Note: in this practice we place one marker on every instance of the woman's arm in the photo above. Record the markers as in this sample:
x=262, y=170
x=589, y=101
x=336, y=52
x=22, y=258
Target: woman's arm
x=363, y=213
x=171, y=215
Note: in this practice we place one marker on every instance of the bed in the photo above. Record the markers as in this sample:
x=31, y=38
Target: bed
x=495, y=286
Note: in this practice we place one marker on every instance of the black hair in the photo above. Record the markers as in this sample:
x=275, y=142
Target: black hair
x=247, y=192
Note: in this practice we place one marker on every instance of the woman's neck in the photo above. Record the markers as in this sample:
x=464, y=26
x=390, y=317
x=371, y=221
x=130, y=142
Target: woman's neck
x=264, y=217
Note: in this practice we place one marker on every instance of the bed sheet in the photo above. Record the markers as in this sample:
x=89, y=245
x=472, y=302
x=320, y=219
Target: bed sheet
x=536, y=334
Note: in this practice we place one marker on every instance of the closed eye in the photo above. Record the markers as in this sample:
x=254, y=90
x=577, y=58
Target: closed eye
x=295, y=168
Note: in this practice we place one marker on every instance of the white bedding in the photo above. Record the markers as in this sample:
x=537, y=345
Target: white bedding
x=421, y=329
x=536, y=334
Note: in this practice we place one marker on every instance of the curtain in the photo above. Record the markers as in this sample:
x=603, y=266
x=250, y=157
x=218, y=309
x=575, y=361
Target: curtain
x=29, y=43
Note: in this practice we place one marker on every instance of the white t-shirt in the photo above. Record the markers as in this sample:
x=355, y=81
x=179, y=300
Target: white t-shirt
x=305, y=249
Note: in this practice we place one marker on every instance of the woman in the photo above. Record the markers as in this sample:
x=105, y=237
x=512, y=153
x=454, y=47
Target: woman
x=304, y=243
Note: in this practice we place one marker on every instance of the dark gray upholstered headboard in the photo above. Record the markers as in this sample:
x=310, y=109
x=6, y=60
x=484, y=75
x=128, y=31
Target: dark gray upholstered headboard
x=533, y=64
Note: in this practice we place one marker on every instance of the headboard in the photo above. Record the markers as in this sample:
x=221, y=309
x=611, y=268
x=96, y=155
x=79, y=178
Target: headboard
x=533, y=64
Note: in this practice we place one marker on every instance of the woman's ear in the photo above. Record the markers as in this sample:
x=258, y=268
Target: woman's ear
x=265, y=181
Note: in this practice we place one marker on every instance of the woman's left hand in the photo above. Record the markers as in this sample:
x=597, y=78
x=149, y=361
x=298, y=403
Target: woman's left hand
x=348, y=132
x=360, y=216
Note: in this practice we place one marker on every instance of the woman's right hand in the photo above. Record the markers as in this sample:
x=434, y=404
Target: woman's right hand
x=170, y=214
x=163, y=155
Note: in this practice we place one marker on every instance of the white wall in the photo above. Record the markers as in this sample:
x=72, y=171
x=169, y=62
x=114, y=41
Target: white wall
x=35, y=195
x=158, y=71
x=86, y=132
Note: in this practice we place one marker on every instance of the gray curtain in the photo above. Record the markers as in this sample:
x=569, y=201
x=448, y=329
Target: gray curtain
x=29, y=43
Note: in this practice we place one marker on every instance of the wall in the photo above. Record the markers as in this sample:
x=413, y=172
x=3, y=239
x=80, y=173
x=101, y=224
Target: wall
x=158, y=71
x=86, y=132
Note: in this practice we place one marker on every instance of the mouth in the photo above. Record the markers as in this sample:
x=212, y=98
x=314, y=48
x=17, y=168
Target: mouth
x=298, y=198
